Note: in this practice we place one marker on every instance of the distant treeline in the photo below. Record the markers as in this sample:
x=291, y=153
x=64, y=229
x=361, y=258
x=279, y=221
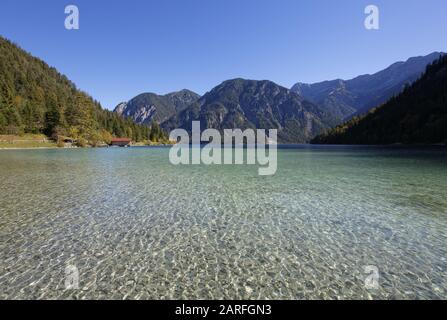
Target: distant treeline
x=35, y=98
x=416, y=116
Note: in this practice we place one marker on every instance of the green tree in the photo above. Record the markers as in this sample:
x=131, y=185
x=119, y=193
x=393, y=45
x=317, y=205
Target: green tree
x=52, y=120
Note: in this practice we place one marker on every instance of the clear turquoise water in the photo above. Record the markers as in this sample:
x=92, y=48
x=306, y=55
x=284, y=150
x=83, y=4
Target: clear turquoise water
x=137, y=227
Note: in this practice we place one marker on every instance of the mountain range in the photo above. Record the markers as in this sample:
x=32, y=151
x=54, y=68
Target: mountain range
x=347, y=98
x=243, y=104
x=401, y=103
x=299, y=114
x=148, y=107
x=416, y=116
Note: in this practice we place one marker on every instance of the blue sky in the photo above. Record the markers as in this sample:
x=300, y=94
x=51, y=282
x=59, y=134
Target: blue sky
x=124, y=48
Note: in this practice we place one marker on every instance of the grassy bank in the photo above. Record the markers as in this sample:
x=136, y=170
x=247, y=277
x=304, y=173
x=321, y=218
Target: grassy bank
x=33, y=141
x=27, y=145
x=26, y=141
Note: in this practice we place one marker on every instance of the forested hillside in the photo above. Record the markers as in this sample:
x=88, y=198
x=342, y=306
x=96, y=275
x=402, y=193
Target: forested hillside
x=35, y=98
x=417, y=116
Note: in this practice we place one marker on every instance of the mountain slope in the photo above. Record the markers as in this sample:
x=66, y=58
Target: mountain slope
x=417, y=115
x=35, y=98
x=147, y=107
x=243, y=104
x=346, y=98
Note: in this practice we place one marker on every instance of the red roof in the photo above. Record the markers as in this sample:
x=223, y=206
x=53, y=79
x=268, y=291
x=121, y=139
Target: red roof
x=121, y=140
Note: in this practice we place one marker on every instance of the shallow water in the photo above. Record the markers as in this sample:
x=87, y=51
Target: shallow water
x=137, y=227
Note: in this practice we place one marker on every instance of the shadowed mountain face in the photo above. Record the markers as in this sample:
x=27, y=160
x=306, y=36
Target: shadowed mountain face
x=346, y=98
x=417, y=115
x=150, y=106
x=253, y=104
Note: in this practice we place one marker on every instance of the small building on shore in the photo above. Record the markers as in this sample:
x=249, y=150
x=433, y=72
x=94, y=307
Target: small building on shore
x=66, y=142
x=120, y=142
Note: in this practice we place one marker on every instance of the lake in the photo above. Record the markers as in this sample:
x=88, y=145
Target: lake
x=329, y=222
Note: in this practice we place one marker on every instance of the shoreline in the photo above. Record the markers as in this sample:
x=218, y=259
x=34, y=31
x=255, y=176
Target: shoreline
x=71, y=148
x=280, y=146
x=33, y=148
